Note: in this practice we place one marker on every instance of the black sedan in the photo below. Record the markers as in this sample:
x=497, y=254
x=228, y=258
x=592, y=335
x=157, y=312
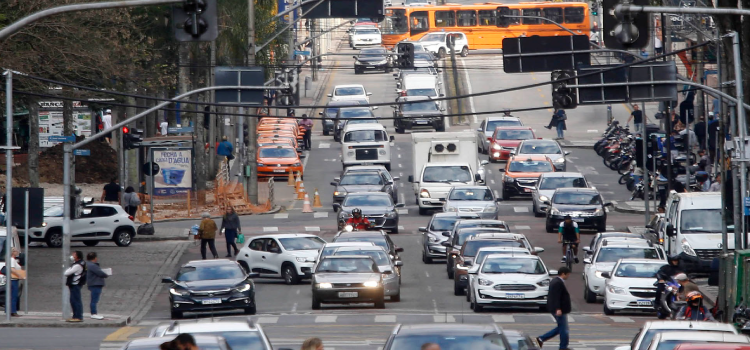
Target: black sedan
x=377, y=207
x=584, y=205
x=211, y=285
x=372, y=59
x=369, y=181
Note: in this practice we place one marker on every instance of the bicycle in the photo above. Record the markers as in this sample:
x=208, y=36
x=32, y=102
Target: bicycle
x=569, y=254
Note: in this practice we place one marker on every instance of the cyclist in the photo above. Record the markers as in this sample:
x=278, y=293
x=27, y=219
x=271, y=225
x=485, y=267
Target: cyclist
x=569, y=233
x=694, y=310
x=358, y=221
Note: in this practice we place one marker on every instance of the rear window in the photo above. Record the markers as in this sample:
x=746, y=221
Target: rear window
x=530, y=166
x=574, y=15
x=349, y=91
x=421, y=92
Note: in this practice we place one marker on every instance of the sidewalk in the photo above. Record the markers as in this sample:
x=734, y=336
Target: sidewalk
x=635, y=207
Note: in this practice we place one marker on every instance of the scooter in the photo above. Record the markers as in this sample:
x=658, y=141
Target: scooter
x=668, y=306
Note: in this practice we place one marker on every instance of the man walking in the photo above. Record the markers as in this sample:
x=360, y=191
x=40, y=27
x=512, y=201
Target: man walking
x=637, y=117
x=111, y=193
x=225, y=149
x=558, y=303
x=95, y=278
x=107, y=121
x=75, y=278
x=307, y=124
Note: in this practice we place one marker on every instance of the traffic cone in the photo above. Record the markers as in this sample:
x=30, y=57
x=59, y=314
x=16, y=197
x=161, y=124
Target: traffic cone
x=297, y=182
x=301, y=191
x=316, y=200
x=291, y=181
x=306, y=208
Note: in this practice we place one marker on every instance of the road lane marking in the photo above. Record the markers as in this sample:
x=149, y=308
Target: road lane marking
x=399, y=155
x=505, y=318
x=270, y=229
x=122, y=334
x=569, y=157
x=434, y=306
x=322, y=214
x=400, y=228
x=619, y=319
x=468, y=87
x=427, y=274
x=492, y=181
x=571, y=319
x=281, y=216
x=401, y=184
x=312, y=228
x=522, y=227
x=325, y=319
x=385, y=319
x=592, y=131
x=294, y=308
x=400, y=166
x=521, y=209
x=403, y=211
x=267, y=319
x=443, y=319
x=324, y=145
x=298, y=290
x=429, y=289
x=401, y=197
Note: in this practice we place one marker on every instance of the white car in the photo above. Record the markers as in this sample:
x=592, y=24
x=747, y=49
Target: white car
x=548, y=148
x=437, y=43
x=367, y=36
x=670, y=340
x=350, y=92
x=290, y=256
x=482, y=253
x=487, y=129
x=630, y=286
x=609, y=252
x=98, y=222
x=520, y=280
x=652, y=328
x=239, y=333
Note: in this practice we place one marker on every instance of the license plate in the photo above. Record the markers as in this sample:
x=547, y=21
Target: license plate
x=211, y=301
x=279, y=170
x=578, y=219
x=348, y=294
x=527, y=190
x=644, y=302
x=515, y=295
x=420, y=122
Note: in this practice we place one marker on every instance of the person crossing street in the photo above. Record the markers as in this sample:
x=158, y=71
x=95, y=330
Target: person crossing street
x=558, y=303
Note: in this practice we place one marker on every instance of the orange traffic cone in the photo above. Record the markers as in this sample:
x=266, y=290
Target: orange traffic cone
x=297, y=182
x=301, y=191
x=306, y=208
x=291, y=181
x=316, y=200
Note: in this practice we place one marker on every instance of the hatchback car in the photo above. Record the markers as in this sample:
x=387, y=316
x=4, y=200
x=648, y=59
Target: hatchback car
x=510, y=281
x=630, y=286
x=379, y=238
x=240, y=334
x=437, y=231
x=548, y=148
x=390, y=268
x=597, y=239
x=548, y=183
x=488, y=127
x=347, y=279
x=378, y=208
x=482, y=253
x=650, y=329
x=457, y=237
x=361, y=181
x=345, y=113
x=329, y=113
x=521, y=174
x=505, y=139
x=274, y=161
x=584, y=205
x=472, y=199
x=289, y=256
x=448, y=336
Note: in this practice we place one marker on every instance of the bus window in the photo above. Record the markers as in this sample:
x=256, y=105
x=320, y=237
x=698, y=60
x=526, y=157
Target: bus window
x=445, y=19
x=467, y=18
x=487, y=18
x=419, y=22
x=395, y=22
x=515, y=20
x=574, y=15
x=554, y=14
x=531, y=12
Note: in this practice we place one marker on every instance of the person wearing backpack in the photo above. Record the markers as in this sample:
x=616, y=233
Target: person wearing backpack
x=76, y=278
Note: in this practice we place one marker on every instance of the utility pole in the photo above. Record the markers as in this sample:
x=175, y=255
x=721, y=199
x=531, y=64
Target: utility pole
x=742, y=126
x=313, y=48
x=456, y=84
x=211, y=116
x=251, y=163
x=700, y=71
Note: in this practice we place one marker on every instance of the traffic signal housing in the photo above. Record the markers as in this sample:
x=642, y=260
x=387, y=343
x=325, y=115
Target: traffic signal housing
x=595, y=8
x=195, y=20
x=405, y=55
x=246, y=134
x=563, y=97
x=626, y=30
x=131, y=138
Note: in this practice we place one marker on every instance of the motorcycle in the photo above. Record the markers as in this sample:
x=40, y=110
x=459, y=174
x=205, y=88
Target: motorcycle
x=741, y=318
x=668, y=306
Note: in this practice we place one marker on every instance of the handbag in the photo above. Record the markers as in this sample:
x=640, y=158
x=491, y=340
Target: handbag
x=241, y=238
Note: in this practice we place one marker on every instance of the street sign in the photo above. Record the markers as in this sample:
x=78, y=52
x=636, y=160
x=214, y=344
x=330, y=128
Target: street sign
x=59, y=138
x=179, y=130
x=545, y=54
x=604, y=92
x=150, y=168
x=373, y=9
x=240, y=76
x=301, y=53
x=747, y=206
x=81, y=152
x=654, y=71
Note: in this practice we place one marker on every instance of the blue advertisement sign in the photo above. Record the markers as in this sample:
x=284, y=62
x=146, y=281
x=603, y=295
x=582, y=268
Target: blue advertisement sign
x=176, y=171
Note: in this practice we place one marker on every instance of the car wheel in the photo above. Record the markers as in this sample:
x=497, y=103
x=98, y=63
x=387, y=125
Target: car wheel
x=588, y=295
x=290, y=274
x=250, y=310
x=549, y=227
x=608, y=311
x=440, y=128
x=468, y=294
x=357, y=71
x=441, y=53
x=457, y=290
x=90, y=243
x=176, y=315
x=122, y=238
x=395, y=230
x=537, y=213
x=426, y=259
x=54, y=238
x=315, y=303
x=396, y=297
x=423, y=211
x=380, y=303
x=476, y=307
x=464, y=51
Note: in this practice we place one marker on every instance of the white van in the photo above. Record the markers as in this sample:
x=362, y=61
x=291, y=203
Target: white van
x=693, y=229
x=366, y=144
x=421, y=85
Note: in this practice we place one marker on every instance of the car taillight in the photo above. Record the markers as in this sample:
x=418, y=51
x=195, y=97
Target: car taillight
x=130, y=217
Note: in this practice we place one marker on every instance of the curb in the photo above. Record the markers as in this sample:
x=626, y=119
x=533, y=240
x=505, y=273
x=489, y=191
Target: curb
x=63, y=324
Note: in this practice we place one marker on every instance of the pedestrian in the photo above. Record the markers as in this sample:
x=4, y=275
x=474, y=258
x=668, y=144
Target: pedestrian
x=637, y=117
x=657, y=46
x=225, y=148
x=75, y=277
x=430, y=346
x=230, y=224
x=561, y=118
x=553, y=121
x=307, y=124
x=185, y=341
x=713, y=131
x=704, y=161
x=644, y=54
x=107, y=121
x=164, y=126
x=699, y=128
x=558, y=303
x=716, y=185
x=207, y=233
x=2, y=208
x=16, y=275
x=312, y=344
x=111, y=192
x=95, y=280
x=130, y=201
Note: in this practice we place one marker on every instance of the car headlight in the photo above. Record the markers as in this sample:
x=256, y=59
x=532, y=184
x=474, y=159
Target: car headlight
x=461, y=267
x=496, y=147
x=424, y=193
x=490, y=209
x=484, y=282
x=261, y=164
x=554, y=211
x=382, y=62
x=432, y=239
x=615, y=289
x=179, y=292
x=559, y=161
x=44, y=224
x=324, y=285
x=543, y=283
x=599, y=212
x=451, y=209
x=599, y=274
x=243, y=288
x=339, y=193
x=392, y=214
x=350, y=153
x=297, y=164
x=371, y=284
x=382, y=152
x=543, y=198
x=301, y=259
x=687, y=249
x=508, y=179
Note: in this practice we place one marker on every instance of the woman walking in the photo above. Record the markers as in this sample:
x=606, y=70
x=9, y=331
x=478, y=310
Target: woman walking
x=207, y=233
x=561, y=118
x=130, y=201
x=230, y=224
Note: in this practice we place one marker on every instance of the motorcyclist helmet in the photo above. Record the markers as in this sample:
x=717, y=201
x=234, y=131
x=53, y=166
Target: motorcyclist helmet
x=694, y=298
x=674, y=258
x=357, y=213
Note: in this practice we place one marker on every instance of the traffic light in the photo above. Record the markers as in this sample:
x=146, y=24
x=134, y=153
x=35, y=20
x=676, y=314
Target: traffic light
x=595, y=8
x=207, y=117
x=195, y=20
x=246, y=134
x=563, y=97
x=405, y=55
x=626, y=30
x=131, y=138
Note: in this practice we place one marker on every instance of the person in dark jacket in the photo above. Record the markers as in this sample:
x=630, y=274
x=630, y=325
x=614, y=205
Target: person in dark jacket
x=558, y=303
x=230, y=224
x=95, y=280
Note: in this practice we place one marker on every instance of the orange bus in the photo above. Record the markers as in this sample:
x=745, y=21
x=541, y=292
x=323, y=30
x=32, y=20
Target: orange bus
x=480, y=21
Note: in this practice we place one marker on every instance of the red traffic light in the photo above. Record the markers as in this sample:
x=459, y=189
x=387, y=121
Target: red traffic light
x=125, y=130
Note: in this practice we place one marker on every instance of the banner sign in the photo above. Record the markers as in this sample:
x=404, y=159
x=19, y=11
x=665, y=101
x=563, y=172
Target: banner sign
x=176, y=171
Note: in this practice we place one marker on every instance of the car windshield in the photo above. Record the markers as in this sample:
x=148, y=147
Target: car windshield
x=530, y=166
x=483, y=253
x=540, y=148
x=240, y=340
x=614, y=254
x=367, y=200
x=637, y=270
x=421, y=92
x=433, y=37
x=649, y=336
x=372, y=53
x=378, y=255
x=513, y=265
x=475, y=194
x=443, y=223
x=367, y=31
x=460, y=340
x=518, y=339
x=701, y=221
x=471, y=247
x=349, y=91
x=514, y=135
x=458, y=173
x=302, y=243
x=277, y=153
x=553, y=183
x=365, y=135
x=55, y=211
x=377, y=240
x=347, y=265
x=355, y=112
x=361, y=179
x=331, y=112
x=203, y=273
x=494, y=124
x=577, y=198
x=422, y=106
x=416, y=70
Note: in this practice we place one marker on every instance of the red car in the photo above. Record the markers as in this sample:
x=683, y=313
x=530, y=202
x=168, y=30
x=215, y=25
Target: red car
x=507, y=138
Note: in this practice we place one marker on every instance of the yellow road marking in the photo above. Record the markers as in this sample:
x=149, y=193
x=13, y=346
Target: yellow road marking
x=122, y=334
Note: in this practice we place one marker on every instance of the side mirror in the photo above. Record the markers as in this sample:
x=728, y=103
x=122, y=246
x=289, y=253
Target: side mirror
x=538, y=250
x=477, y=177
x=552, y=272
x=513, y=152
x=392, y=138
x=398, y=263
x=354, y=57
x=334, y=183
x=441, y=95
x=566, y=153
x=167, y=280
x=330, y=95
x=545, y=202
x=502, y=170
x=410, y=178
x=606, y=274
x=423, y=229
x=479, y=130
x=336, y=207
x=337, y=179
x=396, y=178
x=446, y=233
x=399, y=250
x=445, y=244
x=439, y=70
x=399, y=205
x=670, y=231
x=484, y=162
x=587, y=249
x=369, y=94
x=442, y=109
x=587, y=261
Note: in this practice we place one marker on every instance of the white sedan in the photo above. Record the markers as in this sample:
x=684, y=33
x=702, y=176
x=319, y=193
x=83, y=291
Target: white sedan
x=606, y=257
x=630, y=285
x=350, y=92
x=501, y=280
